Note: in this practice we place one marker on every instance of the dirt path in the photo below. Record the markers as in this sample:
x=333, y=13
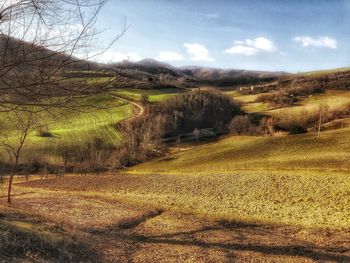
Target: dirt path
x=137, y=105
x=122, y=232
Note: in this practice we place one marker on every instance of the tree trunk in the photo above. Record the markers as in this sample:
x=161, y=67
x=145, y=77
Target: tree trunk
x=9, y=201
x=12, y=174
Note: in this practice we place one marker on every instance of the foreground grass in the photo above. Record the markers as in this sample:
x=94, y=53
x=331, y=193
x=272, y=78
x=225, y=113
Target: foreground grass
x=307, y=199
x=124, y=228
x=28, y=239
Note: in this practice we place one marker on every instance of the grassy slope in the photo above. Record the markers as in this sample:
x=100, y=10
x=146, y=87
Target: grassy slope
x=303, y=151
x=248, y=101
x=153, y=95
x=78, y=127
x=332, y=98
x=296, y=179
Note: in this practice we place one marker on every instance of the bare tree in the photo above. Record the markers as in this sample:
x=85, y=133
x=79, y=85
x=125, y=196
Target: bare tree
x=98, y=152
x=39, y=42
x=66, y=154
x=242, y=125
x=19, y=125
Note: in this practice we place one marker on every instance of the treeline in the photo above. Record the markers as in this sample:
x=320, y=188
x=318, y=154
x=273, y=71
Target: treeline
x=184, y=113
x=95, y=156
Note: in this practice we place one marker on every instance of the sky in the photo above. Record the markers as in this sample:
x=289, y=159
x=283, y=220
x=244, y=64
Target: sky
x=274, y=35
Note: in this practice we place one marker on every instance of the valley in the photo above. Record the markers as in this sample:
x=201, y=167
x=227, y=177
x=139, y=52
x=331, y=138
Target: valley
x=174, y=131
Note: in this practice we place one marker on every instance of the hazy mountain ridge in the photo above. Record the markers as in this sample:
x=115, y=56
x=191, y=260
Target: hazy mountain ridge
x=150, y=73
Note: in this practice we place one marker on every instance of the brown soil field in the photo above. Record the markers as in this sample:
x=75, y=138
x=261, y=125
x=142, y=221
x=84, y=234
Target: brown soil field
x=111, y=229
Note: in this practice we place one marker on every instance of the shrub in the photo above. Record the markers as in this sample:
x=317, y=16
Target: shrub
x=44, y=132
x=144, y=100
x=297, y=129
x=287, y=95
x=242, y=125
x=279, y=98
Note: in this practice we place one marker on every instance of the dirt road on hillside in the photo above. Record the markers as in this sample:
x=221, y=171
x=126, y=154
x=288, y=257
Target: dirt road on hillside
x=135, y=104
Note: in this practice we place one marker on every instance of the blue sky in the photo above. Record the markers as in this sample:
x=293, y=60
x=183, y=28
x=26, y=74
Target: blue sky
x=261, y=35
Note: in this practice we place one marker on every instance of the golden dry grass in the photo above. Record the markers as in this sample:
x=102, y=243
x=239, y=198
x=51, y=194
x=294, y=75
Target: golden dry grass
x=294, y=198
x=334, y=99
x=119, y=229
x=297, y=152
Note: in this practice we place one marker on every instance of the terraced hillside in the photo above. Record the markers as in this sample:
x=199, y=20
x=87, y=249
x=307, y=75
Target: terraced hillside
x=76, y=127
x=154, y=95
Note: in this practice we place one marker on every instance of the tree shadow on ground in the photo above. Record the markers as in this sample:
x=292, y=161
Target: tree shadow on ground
x=231, y=238
x=24, y=239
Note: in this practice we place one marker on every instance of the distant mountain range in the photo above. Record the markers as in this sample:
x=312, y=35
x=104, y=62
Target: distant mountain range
x=163, y=74
x=150, y=73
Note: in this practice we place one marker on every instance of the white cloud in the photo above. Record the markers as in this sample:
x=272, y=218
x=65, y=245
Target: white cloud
x=250, y=47
x=198, y=52
x=112, y=56
x=242, y=50
x=261, y=43
x=319, y=42
x=169, y=56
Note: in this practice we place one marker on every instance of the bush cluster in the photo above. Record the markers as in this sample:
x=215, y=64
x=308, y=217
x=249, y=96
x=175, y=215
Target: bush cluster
x=288, y=95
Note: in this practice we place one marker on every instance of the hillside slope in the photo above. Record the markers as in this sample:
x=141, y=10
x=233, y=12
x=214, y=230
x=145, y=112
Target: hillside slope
x=304, y=151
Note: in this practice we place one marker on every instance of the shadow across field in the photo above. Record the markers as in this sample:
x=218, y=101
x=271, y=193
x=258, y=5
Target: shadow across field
x=28, y=239
x=128, y=231
x=233, y=239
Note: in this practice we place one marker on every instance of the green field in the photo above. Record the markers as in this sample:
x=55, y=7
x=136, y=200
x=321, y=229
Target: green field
x=247, y=102
x=76, y=127
x=154, y=95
